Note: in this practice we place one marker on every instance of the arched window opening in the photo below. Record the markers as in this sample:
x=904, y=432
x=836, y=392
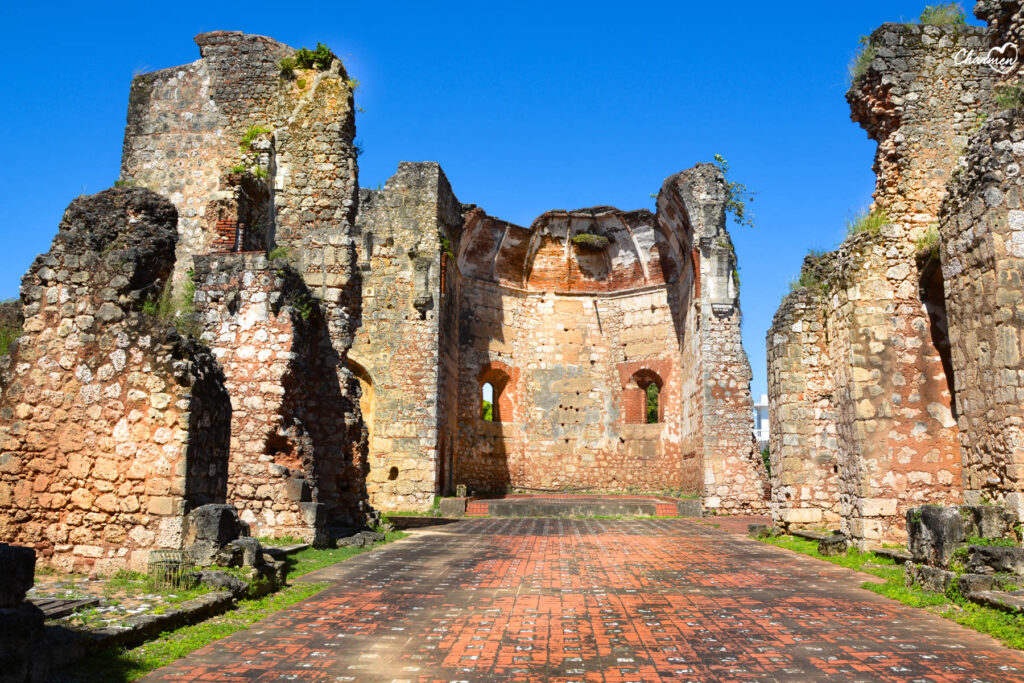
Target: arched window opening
x=495, y=399
x=487, y=402
x=652, y=391
x=642, y=402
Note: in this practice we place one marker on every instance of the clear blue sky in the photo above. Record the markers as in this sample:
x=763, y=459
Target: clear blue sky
x=527, y=107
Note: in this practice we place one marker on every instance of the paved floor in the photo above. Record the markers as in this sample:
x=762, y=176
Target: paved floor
x=595, y=600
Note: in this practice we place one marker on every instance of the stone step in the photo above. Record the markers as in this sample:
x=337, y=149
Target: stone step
x=55, y=608
x=279, y=552
x=1003, y=601
x=810, y=535
x=587, y=507
x=895, y=554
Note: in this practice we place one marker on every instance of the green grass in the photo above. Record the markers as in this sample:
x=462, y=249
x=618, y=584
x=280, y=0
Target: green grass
x=279, y=541
x=250, y=136
x=7, y=336
x=808, y=280
x=311, y=559
x=869, y=222
x=1008, y=628
x=118, y=665
x=929, y=241
x=131, y=664
x=858, y=66
x=944, y=14
x=1010, y=97
x=277, y=252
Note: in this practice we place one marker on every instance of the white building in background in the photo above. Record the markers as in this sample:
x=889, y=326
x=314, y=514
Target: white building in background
x=761, y=421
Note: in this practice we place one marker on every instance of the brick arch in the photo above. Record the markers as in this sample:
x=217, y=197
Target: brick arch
x=504, y=379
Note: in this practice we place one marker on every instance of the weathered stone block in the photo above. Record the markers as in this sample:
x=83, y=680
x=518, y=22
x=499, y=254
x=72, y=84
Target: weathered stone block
x=934, y=533
x=988, y=559
x=836, y=544
x=989, y=521
x=453, y=507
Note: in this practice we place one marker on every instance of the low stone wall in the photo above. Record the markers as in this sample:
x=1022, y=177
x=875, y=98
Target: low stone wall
x=113, y=424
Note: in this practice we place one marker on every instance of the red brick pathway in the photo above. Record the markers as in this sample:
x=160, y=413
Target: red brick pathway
x=595, y=600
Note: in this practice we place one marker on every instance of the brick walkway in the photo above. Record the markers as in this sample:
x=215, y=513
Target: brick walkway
x=595, y=600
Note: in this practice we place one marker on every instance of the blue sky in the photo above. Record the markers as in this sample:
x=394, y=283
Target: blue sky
x=527, y=107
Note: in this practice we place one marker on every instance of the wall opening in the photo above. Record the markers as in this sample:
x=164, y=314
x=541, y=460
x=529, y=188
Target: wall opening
x=933, y=296
x=495, y=403
x=653, y=392
x=641, y=400
x=487, y=402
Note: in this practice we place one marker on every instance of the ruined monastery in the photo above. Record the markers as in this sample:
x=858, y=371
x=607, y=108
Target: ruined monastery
x=331, y=356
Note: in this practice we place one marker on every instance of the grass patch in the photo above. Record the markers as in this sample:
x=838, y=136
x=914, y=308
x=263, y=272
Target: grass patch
x=1005, y=627
x=865, y=221
x=176, y=305
x=250, y=136
x=588, y=240
x=865, y=54
x=279, y=541
x=929, y=241
x=944, y=14
x=311, y=559
x=132, y=664
x=808, y=280
x=7, y=337
x=277, y=252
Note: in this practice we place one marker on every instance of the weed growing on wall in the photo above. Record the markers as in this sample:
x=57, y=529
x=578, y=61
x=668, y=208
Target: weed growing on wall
x=865, y=54
x=944, y=14
x=738, y=196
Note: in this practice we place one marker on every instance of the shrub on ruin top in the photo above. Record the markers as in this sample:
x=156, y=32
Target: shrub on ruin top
x=944, y=14
x=869, y=222
x=588, y=240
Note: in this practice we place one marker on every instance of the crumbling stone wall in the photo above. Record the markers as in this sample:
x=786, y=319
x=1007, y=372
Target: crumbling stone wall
x=296, y=467
x=570, y=333
x=398, y=347
x=803, y=447
x=294, y=186
x=113, y=425
x=186, y=124
x=982, y=256
x=693, y=203
x=890, y=393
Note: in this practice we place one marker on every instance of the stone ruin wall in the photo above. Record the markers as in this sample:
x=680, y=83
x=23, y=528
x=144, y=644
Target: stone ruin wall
x=112, y=424
x=298, y=191
x=803, y=444
x=398, y=351
x=891, y=401
x=734, y=476
x=569, y=329
x=981, y=228
x=463, y=298
x=186, y=123
x=293, y=463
